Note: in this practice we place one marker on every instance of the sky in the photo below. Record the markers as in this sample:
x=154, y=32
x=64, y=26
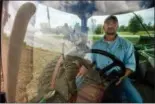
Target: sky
x=124, y=18
x=59, y=18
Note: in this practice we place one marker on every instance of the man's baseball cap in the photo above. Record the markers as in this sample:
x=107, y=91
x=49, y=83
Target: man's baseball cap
x=111, y=17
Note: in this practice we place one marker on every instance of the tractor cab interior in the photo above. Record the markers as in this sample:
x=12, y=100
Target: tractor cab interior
x=43, y=43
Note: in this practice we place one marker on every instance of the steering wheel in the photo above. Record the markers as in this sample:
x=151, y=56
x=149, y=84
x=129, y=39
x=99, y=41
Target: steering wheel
x=116, y=62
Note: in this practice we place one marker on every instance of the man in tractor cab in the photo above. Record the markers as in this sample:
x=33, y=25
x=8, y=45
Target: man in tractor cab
x=124, y=51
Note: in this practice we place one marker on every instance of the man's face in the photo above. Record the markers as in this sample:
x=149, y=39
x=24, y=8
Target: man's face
x=110, y=27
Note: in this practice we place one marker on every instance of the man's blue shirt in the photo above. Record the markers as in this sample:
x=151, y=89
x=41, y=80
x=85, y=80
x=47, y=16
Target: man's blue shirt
x=121, y=48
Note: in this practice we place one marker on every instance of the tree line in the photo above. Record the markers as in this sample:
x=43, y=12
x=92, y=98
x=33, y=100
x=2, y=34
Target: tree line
x=134, y=25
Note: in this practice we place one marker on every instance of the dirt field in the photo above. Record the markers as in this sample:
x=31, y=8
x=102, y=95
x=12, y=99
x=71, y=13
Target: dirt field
x=34, y=77
x=33, y=61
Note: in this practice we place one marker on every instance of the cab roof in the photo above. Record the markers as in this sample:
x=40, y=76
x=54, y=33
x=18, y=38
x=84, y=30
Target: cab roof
x=92, y=7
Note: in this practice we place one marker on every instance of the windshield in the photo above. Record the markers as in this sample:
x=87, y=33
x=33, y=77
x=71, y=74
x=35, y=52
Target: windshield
x=52, y=33
x=125, y=30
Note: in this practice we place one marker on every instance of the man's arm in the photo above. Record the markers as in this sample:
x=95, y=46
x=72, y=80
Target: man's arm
x=86, y=64
x=130, y=63
x=128, y=72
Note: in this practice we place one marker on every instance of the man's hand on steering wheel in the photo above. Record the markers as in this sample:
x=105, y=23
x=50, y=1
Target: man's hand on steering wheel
x=127, y=73
x=120, y=80
x=123, y=73
x=82, y=71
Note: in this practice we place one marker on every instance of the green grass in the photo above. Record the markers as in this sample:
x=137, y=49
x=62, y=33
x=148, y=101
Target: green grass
x=133, y=38
x=144, y=33
x=128, y=35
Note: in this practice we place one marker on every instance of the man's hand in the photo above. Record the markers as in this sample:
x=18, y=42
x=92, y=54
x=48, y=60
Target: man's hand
x=120, y=80
x=82, y=71
x=127, y=73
